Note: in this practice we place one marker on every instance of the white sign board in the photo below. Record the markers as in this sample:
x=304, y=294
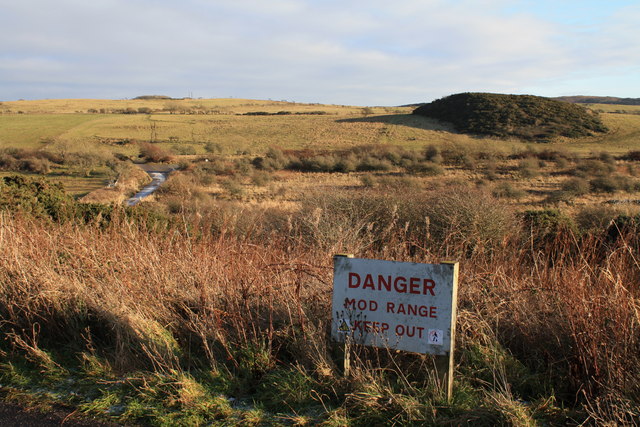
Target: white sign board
x=399, y=305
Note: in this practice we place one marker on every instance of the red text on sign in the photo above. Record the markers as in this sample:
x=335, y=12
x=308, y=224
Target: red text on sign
x=368, y=326
x=400, y=284
x=409, y=331
x=361, y=304
x=412, y=310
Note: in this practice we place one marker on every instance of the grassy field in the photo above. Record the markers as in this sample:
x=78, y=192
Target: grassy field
x=195, y=127
x=208, y=304
x=223, y=123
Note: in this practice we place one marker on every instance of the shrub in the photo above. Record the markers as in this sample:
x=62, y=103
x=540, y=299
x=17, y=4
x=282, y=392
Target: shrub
x=213, y=147
x=154, y=153
x=399, y=184
x=344, y=222
x=547, y=223
x=368, y=180
x=604, y=184
x=184, y=149
x=274, y=159
x=261, y=178
x=607, y=158
x=35, y=196
x=559, y=196
x=507, y=190
x=432, y=154
x=576, y=186
x=8, y=162
x=346, y=164
x=424, y=168
x=41, y=166
x=591, y=167
x=633, y=155
x=371, y=163
x=467, y=218
x=613, y=183
x=529, y=167
x=595, y=219
x=178, y=184
x=203, y=175
x=233, y=187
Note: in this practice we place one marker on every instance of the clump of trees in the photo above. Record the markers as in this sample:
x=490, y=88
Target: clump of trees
x=521, y=116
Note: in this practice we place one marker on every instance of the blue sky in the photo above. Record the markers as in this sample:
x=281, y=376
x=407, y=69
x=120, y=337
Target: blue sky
x=356, y=52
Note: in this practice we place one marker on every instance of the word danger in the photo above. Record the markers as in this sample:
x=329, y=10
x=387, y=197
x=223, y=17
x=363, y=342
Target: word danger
x=399, y=284
x=392, y=308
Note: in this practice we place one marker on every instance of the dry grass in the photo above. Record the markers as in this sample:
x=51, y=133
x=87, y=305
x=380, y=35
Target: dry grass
x=561, y=308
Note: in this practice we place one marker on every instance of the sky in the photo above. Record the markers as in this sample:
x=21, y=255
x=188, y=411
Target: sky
x=347, y=52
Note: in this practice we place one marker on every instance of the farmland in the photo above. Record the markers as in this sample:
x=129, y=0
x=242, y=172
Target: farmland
x=209, y=303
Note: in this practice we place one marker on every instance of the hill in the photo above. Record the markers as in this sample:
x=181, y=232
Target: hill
x=580, y=99
x=521, y=116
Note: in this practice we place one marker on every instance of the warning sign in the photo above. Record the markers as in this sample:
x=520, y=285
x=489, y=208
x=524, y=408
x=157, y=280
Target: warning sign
x=344, y=326
x=400, y=305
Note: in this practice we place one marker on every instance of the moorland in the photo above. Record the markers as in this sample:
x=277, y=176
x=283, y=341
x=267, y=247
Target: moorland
x=209, y=302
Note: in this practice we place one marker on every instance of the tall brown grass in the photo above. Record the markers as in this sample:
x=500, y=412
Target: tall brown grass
x=567, y=308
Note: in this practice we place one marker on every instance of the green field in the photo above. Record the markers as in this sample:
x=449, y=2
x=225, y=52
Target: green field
x=225, y=125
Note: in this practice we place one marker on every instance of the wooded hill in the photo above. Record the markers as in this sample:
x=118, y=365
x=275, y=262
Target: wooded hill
x=521, y=116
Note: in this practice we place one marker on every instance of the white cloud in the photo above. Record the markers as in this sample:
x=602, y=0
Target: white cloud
x=360, y=52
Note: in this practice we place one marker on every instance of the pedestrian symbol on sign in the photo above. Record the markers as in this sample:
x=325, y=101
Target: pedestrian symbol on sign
x=435, y=336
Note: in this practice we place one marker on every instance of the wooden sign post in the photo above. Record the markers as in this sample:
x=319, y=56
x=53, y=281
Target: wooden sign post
x=397, y=305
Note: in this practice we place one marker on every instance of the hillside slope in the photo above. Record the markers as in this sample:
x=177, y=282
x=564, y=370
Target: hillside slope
x=580, y=99
x=522, y=116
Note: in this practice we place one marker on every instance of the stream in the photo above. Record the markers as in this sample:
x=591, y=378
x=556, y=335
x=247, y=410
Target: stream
x=158, y=178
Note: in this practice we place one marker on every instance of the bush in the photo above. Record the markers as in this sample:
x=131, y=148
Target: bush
x=184, y=149
x=506, y=190
x=591, y=167
x=35, y=196
x=213, y=147
x=424, y=168
x=178, y=184
x=432, y=154
x=595, y=219
x=368, y=180
x=261, y=178
x=346, y=164
x=547, y=223
x=576, y=186
x=370, y=163
x=468, y=218
x=612, y=184
x=154, y=153
x=607, y=158
x=8, y=162
x=273, y=160
x=529, y=167
x=233, y=187
x=633, y=155
x=41, y=166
